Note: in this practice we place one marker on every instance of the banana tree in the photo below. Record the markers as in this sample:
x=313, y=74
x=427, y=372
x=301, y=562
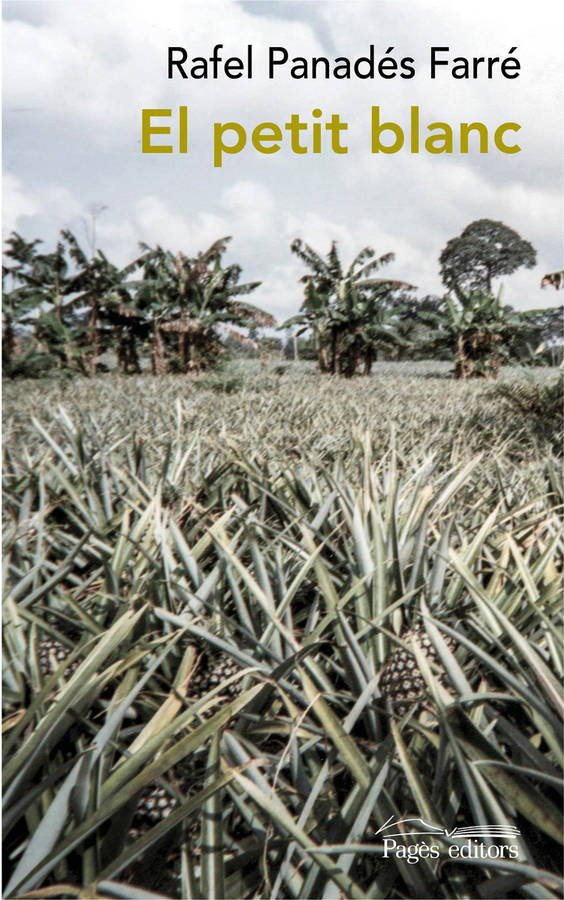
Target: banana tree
x=481, y=329
x=340, y=306
x=16, y=301
x=128, y=327
x=61, y=341
x=103, y=289
x=195, y=298
x=314, y=317
x=379, y=329
x=152, y=293
x=44, y=292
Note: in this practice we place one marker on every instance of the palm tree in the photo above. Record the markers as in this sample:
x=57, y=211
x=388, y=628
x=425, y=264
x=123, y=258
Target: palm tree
x=128, y=327
x=341, y=307
x=44, y=299
x=15, y=290
x=194, y=298
x=315, y=317
x=481, y=330
x=103, y=289
x=379, y=326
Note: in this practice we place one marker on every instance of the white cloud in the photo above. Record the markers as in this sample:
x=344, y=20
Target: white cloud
x=16, y=204
x=76, y=79
x=246, y=207
x=81, y=66
x=51, y=202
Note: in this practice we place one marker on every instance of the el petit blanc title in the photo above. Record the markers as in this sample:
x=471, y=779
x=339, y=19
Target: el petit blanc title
x=167, y=130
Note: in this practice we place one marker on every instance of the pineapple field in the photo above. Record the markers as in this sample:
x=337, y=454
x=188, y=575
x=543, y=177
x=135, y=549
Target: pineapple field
x=272, y=634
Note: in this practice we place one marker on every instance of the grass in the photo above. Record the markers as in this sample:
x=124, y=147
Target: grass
x=299, y=527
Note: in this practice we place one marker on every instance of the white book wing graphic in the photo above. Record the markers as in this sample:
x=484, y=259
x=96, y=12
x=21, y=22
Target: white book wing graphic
x=416, y=825
x=481, y=831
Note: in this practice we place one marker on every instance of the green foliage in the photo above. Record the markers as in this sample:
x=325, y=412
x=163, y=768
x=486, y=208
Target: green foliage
x=482, y=331
x=143, y=535
x=78, y=306
x=348, y=312
x=103, y=289
x=16, y=299
x=540, y=341
x=197, y=299
x=485, y=250
x=419, y=325
x=183, y=311
x=30, y=363
x=541, y=405
x=65, y=343
x=222, y=382
x=44, y=303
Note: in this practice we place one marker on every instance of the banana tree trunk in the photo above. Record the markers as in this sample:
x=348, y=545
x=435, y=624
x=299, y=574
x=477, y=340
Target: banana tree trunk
x=336, y=351
x=121, y=355
x=322, y=360
x=159, y=364
x=132, y=358
x=353, y=357
x=8, y=340
x=195, y=353
x=463, y=367
x=94, y=338
x=368, y=359
x=127, y=345
x=185, y=351
x=478, y=356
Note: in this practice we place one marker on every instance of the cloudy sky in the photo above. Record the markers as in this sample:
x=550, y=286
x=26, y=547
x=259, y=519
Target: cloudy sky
x=77, y=75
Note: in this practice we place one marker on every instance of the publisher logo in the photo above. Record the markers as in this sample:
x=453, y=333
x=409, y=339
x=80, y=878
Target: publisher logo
x=413, y=839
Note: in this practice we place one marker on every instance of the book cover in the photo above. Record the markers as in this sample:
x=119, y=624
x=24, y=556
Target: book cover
x=282, y=492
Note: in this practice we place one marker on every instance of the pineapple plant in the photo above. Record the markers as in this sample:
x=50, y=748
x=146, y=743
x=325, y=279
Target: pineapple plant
x=157, y=802
x=300, y=570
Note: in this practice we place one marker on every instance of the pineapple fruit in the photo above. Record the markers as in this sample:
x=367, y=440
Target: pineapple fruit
x=51, y=653
x=156, y=802
x=401, y=681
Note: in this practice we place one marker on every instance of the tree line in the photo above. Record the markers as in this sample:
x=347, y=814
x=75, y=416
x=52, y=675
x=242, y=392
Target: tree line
x=72, y=308
x=64, y=309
